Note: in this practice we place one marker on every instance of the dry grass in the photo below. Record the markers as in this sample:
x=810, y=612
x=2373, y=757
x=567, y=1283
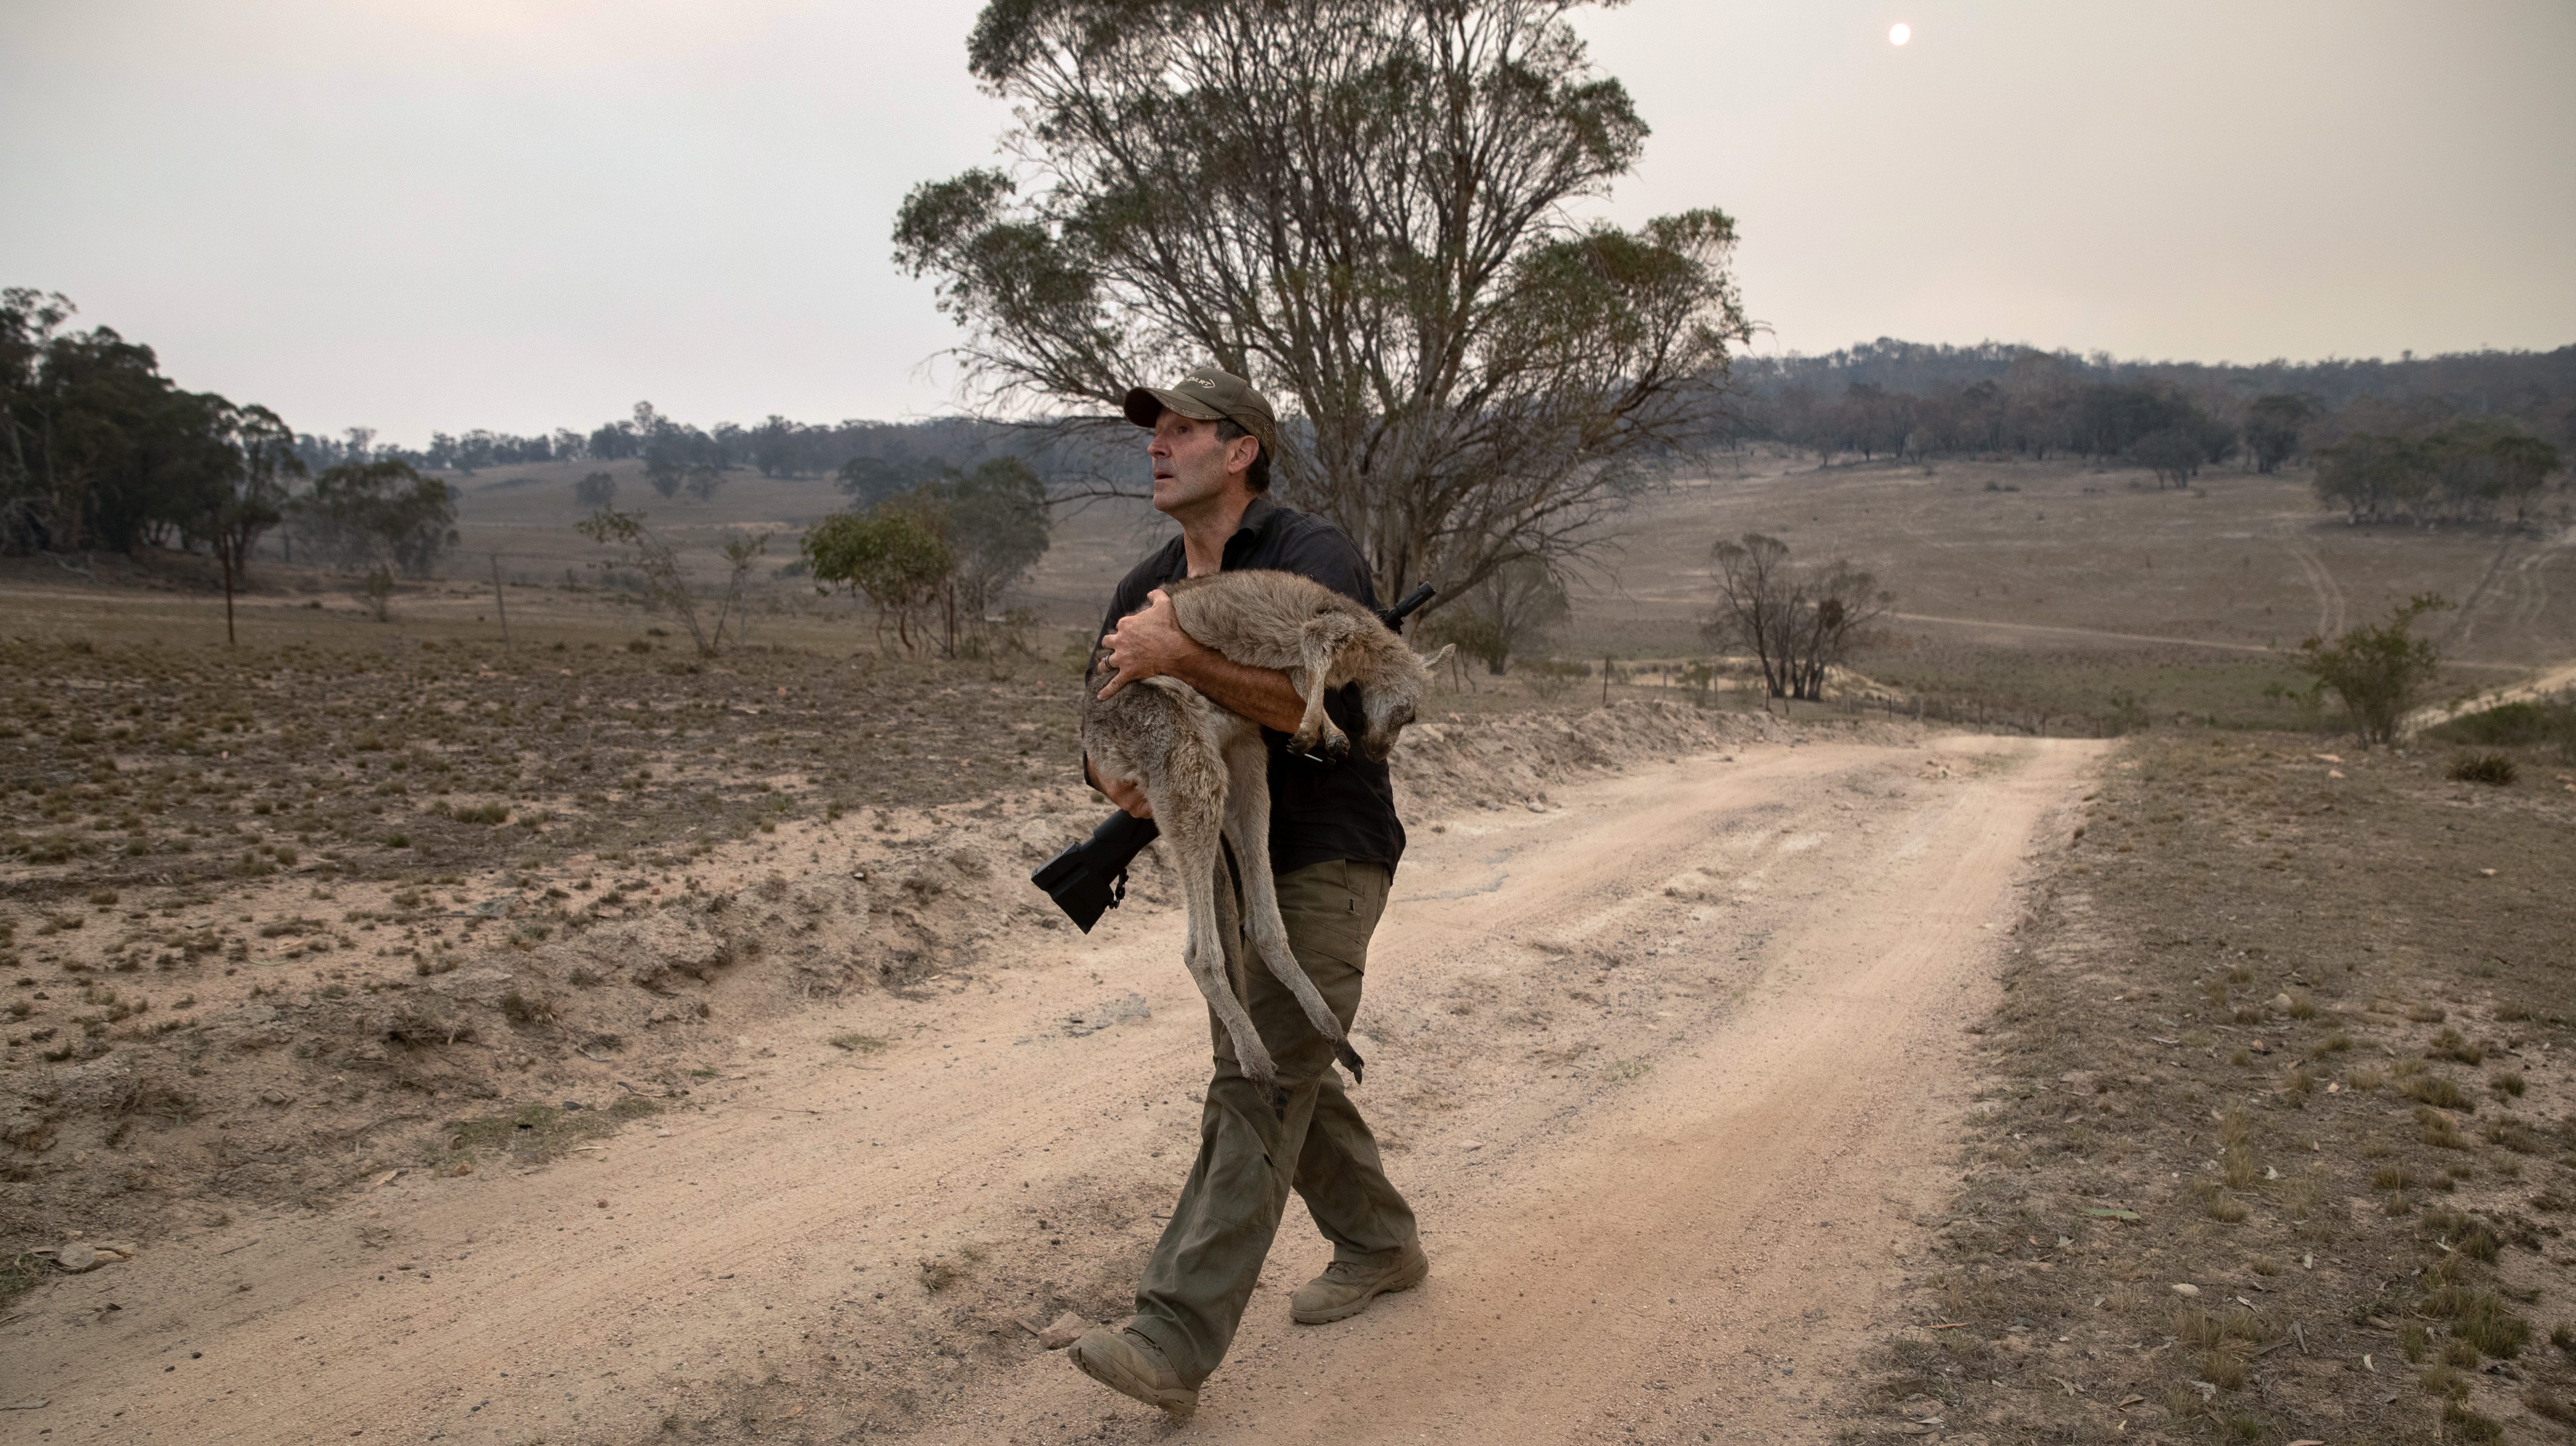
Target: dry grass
x=532, y=1134
x=2236, y=1161
x=379, y=756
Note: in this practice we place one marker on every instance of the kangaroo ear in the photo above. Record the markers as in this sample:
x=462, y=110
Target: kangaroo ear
x=1432, y=663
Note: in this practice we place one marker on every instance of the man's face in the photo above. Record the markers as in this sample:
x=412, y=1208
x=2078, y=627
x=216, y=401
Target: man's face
x=1191, y=467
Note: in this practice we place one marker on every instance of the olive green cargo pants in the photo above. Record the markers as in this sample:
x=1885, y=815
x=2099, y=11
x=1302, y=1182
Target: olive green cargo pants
x=1202, y=1271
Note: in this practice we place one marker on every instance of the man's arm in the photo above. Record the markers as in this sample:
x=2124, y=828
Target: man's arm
x=1150, y=643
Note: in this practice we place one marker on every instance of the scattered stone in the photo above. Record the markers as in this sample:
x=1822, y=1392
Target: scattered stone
x=1066, y=1329
x=2281, y=1003
x=77, y=1258
x=2187, y=1291
x=1092, y=1021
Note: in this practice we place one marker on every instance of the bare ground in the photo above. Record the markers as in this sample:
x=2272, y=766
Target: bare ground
x=2279, y=1139
x=1670, y=1060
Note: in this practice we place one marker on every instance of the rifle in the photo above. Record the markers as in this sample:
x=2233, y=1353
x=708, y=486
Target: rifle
x=1090, y=878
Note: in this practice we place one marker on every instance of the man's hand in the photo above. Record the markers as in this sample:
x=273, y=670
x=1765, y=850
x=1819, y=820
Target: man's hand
x=1150, y=644
x=1146, y=644
x=1127, y=793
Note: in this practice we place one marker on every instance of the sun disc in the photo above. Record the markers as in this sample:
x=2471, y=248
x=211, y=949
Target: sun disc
x=1899, y=33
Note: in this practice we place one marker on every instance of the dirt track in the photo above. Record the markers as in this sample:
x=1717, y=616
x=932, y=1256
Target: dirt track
x=1668, y=1069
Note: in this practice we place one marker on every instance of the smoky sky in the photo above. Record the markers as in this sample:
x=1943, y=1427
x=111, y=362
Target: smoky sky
x=419, y=216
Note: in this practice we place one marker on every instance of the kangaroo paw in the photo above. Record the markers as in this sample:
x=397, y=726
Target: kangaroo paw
x=1337, y=745
x=1303, y=740
x=1350, y=1059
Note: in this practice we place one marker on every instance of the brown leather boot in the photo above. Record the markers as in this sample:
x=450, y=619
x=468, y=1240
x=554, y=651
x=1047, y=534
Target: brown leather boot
x=1345, y=1289
x=1129, y=1364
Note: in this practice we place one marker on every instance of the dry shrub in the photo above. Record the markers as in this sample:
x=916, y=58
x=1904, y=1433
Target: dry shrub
x=2440, y=1090
x=2481, y=1318
x=2438, y=1130
x=2494, y=769
x=2464, y=1424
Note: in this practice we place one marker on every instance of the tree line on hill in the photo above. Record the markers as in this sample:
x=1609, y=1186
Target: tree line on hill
x=99, y=450
x=2456, y=438
x=680, y=457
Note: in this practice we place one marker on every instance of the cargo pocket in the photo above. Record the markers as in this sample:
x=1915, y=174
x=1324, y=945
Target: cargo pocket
x=1333, y=908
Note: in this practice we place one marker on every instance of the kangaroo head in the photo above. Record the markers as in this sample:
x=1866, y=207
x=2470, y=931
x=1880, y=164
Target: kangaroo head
x=1387, y=703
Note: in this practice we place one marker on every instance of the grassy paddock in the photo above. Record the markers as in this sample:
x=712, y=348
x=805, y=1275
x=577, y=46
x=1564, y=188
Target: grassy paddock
x=2281, y=1140
x=136, y=761
x=2095, y=690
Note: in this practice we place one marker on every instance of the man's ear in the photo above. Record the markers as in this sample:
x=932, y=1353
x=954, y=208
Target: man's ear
x=1241, y=453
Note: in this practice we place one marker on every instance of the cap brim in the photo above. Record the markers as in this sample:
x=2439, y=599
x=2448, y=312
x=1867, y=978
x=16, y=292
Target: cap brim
x=1145, y=406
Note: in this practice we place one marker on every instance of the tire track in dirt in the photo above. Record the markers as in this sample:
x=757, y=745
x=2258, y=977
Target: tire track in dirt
x=2330, y=598
x=1706, y=1072
x=2465, y=623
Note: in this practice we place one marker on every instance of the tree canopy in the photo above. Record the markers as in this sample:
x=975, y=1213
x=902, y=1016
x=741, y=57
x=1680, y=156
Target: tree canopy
x=1363, y=206
x=958, y=541
x=379, y=516
x=99, y=450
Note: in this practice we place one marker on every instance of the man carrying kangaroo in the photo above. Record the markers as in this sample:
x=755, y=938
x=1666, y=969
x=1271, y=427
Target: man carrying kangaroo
x=1334, y=842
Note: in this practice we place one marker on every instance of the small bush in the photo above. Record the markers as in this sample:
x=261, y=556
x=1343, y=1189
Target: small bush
x=2465, y=1234
x=2514, y=1136
x=2488, y=768
x=2439, y=1090
x=2467, y=1425
x=2450, y=1044
x=2439, y=1131
x=2378, y=672
x=2481, y=1318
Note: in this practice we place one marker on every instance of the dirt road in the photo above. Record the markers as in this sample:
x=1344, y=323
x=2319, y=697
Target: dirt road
x=1668, y=1069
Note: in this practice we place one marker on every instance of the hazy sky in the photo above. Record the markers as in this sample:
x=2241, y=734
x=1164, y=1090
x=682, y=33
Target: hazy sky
x=421, y=216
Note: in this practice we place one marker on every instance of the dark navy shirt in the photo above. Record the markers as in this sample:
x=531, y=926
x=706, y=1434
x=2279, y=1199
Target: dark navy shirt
x=1318, y=811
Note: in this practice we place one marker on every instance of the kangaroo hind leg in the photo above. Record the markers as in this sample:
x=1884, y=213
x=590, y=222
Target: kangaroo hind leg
x=1191, y=820
x=1247, y=824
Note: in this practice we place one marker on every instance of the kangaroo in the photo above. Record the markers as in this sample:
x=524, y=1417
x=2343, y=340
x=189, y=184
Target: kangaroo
x=1205, y=770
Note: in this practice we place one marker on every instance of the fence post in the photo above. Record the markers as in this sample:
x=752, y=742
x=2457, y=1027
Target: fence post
x=499, y=603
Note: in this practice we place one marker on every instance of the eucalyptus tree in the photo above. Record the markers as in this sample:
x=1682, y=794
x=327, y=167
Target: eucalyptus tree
x=1369, y=207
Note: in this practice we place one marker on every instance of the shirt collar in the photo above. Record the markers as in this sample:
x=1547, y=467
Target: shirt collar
x=1248, y=532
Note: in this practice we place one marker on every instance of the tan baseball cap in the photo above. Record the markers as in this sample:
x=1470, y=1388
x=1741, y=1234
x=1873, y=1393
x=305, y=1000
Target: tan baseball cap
x=1208, y=394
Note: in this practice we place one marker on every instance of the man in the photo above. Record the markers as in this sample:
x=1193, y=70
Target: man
x=1334, y=842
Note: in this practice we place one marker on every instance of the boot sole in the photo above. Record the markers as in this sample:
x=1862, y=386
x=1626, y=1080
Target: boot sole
x=1180, y=1405
x=1346, y=1311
